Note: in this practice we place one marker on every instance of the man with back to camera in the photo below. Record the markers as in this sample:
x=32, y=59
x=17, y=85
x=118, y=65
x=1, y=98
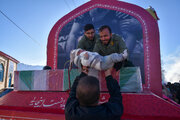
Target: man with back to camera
x=109, y=43
x=89, y=38
x=82, y=103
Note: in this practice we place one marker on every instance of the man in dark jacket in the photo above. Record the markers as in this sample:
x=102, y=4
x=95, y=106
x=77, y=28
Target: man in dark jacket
x=82, y=103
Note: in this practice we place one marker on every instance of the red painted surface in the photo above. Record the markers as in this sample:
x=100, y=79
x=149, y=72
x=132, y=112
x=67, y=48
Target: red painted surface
x=52, y=102
x=49, y=105
x=55, y=79
x=144, y=106
x=21, y=115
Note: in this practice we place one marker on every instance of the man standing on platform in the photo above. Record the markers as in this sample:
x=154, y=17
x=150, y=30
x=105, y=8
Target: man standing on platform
x=110, y=43
x=89, y=38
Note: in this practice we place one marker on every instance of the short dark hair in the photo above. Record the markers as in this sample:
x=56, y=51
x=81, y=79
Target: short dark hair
x=46, y=67
x=104, y=27
x=88, y=91
x=88, y=27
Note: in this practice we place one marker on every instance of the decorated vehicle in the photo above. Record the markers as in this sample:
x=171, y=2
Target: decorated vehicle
x=42, y=94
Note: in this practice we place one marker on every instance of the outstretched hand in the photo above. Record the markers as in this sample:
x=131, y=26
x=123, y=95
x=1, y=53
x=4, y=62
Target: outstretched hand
x=85, y=69
x=108, y=72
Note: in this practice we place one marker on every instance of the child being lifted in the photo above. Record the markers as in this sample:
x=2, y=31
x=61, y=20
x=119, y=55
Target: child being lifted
x=81, y=58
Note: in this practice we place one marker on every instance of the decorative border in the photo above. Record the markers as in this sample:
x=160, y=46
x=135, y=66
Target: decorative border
x=149, y=25
x=136, y=15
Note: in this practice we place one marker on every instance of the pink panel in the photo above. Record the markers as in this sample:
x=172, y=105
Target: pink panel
x=55, y=79
x=148, y=105
x=136, y=106
x=21, y=115
x=52, y=102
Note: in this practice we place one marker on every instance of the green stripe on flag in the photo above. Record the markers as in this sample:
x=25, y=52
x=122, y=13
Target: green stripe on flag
x=27, y=78
x=125, y=74
x=73, y=74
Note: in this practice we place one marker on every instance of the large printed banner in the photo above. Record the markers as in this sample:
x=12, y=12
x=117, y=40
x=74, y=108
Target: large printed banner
x=122, y=24
x=134, y=24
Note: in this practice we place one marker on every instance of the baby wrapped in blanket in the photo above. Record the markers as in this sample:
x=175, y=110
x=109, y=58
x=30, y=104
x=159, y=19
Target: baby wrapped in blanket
x=94, y=60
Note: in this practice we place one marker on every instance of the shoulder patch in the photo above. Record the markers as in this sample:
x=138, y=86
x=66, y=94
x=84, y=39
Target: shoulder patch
x=112, y=43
